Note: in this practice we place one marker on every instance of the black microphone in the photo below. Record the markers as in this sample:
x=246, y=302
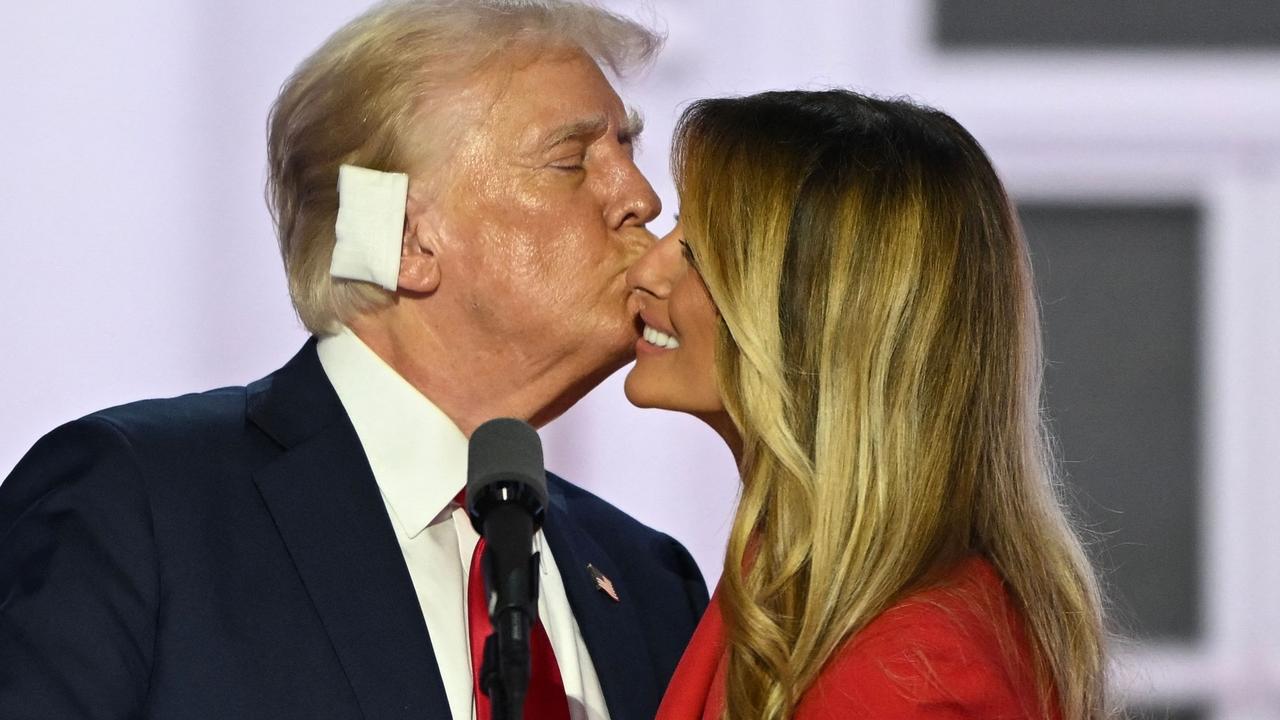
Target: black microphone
x=506, y=501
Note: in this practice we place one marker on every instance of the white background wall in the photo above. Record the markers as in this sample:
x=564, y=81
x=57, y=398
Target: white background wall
x=137, y=257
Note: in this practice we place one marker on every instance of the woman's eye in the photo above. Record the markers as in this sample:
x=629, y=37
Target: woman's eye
x=687, y=251
x=572, y=164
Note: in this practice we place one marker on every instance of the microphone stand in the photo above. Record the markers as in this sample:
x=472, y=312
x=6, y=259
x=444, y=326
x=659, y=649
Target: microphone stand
x=506, y=667
x=506, y=501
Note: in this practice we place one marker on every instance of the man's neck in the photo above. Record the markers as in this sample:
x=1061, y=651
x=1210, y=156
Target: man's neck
x=472, y=382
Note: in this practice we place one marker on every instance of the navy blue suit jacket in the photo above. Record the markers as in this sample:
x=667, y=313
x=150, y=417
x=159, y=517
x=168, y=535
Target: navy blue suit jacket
x=228, y=555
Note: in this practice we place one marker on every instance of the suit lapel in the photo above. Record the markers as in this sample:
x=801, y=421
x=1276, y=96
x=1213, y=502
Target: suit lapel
x=611, y=630
x=326, y=505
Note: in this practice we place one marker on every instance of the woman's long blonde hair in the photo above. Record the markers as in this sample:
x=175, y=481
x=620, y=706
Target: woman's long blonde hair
x=880, y=354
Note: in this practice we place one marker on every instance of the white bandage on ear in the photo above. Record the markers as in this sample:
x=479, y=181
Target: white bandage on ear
x=370, y=227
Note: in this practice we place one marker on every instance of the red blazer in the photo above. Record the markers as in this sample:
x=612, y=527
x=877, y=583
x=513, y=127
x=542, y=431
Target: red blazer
x=957, y=650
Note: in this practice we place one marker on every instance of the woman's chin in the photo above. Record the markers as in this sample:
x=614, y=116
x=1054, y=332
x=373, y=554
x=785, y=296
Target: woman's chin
x=640, y=391
x=649, y=387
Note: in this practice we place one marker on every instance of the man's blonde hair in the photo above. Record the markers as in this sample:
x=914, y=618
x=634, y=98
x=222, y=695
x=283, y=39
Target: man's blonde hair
x=377, y=94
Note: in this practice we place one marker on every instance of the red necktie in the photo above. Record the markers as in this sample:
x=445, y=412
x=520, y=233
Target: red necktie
x=546, y=698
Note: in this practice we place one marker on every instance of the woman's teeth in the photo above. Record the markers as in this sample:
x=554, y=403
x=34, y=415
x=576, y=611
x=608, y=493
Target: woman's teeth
x=659, y=338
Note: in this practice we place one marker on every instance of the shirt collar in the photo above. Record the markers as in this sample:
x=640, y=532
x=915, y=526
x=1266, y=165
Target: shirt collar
x=417, y=454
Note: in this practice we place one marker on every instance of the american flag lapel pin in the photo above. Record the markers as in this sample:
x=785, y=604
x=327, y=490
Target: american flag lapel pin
x=603, y=584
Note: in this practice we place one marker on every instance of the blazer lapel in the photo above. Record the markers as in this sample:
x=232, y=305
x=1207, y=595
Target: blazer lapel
x=611, y=630
x=327, y=507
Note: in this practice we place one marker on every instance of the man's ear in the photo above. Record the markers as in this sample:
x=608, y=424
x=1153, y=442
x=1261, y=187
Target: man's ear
x=419, y=252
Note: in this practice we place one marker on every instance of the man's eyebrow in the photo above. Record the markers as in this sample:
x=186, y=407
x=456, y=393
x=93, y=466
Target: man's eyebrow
x=593, y=127
x=576, y=130
x=634, y=126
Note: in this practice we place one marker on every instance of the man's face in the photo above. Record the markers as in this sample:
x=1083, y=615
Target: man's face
x=546, y=211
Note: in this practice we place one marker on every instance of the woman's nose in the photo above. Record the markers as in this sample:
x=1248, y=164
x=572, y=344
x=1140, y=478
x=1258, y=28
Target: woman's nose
x=657, y=270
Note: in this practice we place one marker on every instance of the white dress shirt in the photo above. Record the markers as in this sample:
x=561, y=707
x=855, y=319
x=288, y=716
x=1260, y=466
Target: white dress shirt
x=419, y=459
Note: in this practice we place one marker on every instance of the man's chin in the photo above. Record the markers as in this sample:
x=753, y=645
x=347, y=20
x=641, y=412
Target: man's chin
x=621, y=342
x=618, y=351
x=620, y=358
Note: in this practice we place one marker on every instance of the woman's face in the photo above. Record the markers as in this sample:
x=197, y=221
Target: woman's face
x=675, y=357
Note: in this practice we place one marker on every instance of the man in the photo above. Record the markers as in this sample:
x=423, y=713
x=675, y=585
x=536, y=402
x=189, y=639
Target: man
x=295, y=548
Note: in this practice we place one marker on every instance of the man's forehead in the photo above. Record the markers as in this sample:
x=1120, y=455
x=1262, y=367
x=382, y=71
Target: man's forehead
x=543, y=102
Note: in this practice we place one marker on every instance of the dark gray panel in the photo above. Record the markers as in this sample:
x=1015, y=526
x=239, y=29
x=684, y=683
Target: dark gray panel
x=1119, y=293
x=1093, y=24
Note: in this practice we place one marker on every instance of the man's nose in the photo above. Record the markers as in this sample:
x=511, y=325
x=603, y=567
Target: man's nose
x=637, y=204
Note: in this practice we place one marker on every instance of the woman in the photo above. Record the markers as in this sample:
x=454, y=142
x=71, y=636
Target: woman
x=847, y=300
